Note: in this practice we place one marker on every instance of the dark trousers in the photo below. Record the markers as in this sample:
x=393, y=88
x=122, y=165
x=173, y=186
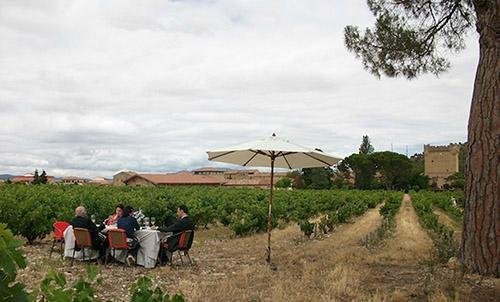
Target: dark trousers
x=99, y=243
x=134, y=246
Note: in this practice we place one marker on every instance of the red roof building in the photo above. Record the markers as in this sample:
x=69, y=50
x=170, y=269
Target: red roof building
x=172, y=179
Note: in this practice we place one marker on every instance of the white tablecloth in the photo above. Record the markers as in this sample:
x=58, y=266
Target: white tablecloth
x=150, y=246
x=147, y=255
x=69, y=244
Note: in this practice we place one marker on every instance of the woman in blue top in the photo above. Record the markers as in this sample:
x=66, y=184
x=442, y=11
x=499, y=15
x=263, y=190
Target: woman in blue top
x=129, y=225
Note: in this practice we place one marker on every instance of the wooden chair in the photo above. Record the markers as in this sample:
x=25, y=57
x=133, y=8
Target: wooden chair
x=59, y=228
x=184, y=245
x=83, y=240
x=117, y=241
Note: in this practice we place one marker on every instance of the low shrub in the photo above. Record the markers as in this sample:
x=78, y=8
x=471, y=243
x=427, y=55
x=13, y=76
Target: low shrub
x=388, y=212
x=442, y=236
x=11, y=259
x=144, y=291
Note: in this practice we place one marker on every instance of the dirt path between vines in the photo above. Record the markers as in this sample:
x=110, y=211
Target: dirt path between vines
x=405, y=269
x=444, y=219
x=410, y=243
x=396, y=267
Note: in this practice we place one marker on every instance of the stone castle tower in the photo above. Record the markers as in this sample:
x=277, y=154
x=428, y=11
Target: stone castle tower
x=440, y=162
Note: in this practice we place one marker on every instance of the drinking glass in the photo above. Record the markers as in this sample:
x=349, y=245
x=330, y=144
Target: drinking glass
x=146, y=222
x=92, y=217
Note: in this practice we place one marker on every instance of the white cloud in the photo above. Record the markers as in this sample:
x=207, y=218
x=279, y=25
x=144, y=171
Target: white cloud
x=91, y=87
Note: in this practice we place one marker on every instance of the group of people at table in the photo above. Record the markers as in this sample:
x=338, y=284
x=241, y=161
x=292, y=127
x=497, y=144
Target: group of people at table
x=124, y=219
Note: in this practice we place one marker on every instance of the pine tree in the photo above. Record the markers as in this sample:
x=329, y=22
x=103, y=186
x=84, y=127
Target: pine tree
x=409, y=39
x=366, y=147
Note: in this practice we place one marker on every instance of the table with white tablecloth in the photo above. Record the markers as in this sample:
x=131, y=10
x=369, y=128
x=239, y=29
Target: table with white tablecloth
x=147, y=255
x=150, y=247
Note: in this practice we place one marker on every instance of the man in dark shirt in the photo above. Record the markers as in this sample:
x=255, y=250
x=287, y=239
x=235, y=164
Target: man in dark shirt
x=82, y=221
x=130, y=225
x=183, y=223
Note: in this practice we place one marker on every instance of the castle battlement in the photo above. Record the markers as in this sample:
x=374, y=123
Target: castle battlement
x=450, y=147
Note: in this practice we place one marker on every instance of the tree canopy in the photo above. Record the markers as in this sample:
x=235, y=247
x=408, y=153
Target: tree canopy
x=317, y=178
x=410, y=36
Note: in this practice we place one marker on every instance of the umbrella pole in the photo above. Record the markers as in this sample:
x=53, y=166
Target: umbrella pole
x=270, y=213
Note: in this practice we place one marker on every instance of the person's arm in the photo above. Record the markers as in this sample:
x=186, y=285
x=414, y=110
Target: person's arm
x=174, y=228
x=91, y=226
x=101, y=227
x=136, y=225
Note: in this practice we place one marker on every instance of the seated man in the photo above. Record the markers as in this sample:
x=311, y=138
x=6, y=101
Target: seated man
x=82, y=221
x=130, y=225
x=183, y=223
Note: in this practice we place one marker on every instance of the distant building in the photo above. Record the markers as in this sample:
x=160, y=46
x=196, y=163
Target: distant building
x=212, y=172
x=440, y=162
x=100, y=181
x=28, y=179
x=73, y=180
x=242, y=174
x=172, y=179
x=251, y=178
x=120, y=177
x=203, y=176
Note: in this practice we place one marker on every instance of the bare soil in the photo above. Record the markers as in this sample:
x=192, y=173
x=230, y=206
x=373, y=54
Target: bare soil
x=334, y=268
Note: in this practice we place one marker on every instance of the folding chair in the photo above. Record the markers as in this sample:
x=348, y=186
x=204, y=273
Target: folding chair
x=59, y=228
x=82, y=240
x=184, y=245
x=117, y=241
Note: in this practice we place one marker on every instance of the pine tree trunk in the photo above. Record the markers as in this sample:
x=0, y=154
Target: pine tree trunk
x=481, y=234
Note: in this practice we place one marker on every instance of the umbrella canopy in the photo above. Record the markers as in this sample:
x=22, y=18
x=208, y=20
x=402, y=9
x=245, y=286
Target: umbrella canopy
x=272, y=152
x=286, y=155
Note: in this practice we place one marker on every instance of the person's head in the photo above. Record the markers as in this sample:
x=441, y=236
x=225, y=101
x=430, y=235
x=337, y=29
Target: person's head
x=80, y=211
x=127, y=211
x=182, y=210
x=119, y=210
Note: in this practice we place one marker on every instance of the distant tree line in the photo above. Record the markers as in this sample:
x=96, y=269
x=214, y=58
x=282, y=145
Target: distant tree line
x=368, y=169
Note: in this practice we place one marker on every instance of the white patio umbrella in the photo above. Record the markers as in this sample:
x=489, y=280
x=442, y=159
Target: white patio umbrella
x=272, y=152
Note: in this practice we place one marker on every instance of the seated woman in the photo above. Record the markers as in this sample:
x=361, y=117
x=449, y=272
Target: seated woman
x=113, y=219
x=130, y=225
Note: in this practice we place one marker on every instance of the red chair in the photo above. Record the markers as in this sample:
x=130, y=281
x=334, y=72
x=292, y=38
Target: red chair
x=83, y=240
x=117, y=241
x=185, y=242
x=184, y=245
x=59, y=228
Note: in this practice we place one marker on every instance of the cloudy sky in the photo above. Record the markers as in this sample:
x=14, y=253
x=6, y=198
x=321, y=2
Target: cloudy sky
x=92, y=87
